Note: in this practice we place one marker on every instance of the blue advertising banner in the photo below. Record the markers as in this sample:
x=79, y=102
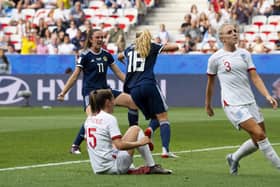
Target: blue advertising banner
x=166, y=64
x=180, y=90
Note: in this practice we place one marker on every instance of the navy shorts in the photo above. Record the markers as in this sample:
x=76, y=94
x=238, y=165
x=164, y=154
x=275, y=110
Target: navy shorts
x=149, y=100
x=115, y=93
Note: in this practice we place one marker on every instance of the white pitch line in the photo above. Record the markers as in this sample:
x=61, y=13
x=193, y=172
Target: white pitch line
x=83, y=161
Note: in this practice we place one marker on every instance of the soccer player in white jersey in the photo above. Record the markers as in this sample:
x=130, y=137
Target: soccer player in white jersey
x=233, y=66
x=109, y=152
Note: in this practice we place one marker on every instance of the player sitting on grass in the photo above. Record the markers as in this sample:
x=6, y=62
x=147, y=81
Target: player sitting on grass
x=109, y=151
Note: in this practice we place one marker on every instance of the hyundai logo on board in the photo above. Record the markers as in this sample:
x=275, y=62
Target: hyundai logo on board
x=9, y=88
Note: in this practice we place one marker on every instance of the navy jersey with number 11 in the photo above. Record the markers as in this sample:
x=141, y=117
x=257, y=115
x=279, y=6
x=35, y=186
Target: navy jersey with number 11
x=94, y=66
x=140, y=70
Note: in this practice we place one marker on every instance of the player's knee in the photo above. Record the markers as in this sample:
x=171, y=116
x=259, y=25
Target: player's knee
x=259, y=135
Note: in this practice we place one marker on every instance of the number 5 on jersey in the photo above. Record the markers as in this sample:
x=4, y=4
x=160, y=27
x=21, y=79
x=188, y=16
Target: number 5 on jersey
x=91, y=138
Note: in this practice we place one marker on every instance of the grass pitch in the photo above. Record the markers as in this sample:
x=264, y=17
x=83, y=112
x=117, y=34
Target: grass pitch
x=35, y=144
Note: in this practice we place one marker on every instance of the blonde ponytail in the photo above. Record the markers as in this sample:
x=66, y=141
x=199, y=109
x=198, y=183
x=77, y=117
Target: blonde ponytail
x=143, y=43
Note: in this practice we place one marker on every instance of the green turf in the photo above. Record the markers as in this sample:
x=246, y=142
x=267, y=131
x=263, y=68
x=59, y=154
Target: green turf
x=33, y=136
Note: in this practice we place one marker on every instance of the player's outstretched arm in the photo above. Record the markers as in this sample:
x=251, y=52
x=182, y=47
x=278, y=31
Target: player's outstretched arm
x=258, y=82
x=70, y=82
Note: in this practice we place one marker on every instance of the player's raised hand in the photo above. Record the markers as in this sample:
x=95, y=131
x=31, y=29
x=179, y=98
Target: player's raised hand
x=60, y=97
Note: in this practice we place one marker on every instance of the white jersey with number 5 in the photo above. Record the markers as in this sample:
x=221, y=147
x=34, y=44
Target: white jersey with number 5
x=101, y=129
x=232, y=70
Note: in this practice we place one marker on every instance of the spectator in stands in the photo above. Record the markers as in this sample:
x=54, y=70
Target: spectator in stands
x=264, y=7
x=66, y=47
x=211, y=46
x=258, y=46
x=276, y=8
x=188, y=45
x=210, y=33
x=47, y=36
x=60, y=26
x=66, y=3
x=101, y=26
x=50, y=4
x=72, y=30
x=186, y=24
x=50, y=19
x=277, y=42
x=142, y=10
x=194, y=32
x=42, y=48
x=60, y=12
x=11, y=49
x=76, y=40
x=241, y=13
x=42, y=27
x=21, y=28
x=116, y=35
x=77, y=14
x=28, y=44
x=157, y=39
x=37, y=4
x=203, y=23
x=163, y=34
x=219, y=19
x=194, y=12
x=53, y=45
x=86, y=27
x=4, y=63
x=243, y=43
x=4, y=41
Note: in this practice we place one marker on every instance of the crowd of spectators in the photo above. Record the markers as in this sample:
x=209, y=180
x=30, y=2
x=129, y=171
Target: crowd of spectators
x=200, y=28
x=65, y=24
x=60, y=26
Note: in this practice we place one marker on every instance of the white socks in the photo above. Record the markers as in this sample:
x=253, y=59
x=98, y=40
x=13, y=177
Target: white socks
x=245, y=149
x=269, y=152
x=145, y=151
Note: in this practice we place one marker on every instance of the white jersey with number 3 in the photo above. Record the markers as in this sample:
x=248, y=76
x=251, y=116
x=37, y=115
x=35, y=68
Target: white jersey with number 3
x=101, y=129
x=232, y=70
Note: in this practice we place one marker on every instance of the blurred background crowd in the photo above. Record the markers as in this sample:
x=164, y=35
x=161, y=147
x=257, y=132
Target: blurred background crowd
x=61, y=26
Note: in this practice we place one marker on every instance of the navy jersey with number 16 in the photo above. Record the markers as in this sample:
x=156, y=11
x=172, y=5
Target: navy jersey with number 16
x=140, y=70
x=94, y=66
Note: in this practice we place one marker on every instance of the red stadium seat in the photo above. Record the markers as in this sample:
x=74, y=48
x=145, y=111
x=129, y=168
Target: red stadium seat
x=259, y=20
x=96, y=4
x=273, y=20
x=149, y=3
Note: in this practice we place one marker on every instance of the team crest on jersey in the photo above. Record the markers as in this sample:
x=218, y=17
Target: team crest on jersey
x=105, y=58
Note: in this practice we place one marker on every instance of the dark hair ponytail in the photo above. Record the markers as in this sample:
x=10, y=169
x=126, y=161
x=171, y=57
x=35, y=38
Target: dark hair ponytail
x=98, y=99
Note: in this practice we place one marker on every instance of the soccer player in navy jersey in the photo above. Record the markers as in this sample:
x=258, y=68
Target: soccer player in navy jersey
x=94, y=62
x=141, y=84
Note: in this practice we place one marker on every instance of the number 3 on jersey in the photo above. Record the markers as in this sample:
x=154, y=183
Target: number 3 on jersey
x=227, y=66
x=91, y=138
x=135, y=63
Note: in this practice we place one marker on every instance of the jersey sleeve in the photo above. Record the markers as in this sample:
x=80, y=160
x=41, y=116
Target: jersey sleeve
x=114, y=129
x=80, y=61
x=212, y=67
x=251, y=65
x=156, y=48
x=111, y=59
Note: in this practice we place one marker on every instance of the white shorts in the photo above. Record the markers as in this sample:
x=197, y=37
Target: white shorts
x=239, y=114
x=121, y=164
